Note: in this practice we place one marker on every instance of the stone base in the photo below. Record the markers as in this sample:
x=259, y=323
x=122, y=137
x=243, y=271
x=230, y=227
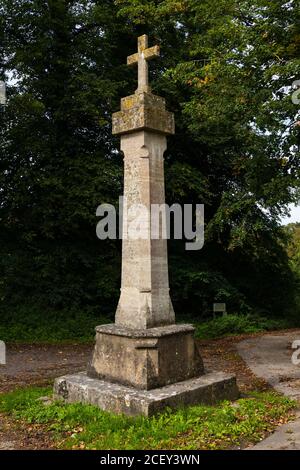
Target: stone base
x=145, y=359
x=116, y=398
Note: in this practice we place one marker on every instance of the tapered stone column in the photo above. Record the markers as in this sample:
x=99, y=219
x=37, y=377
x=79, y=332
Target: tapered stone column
x=145, y=300
x=143, y=124
x=144, y=361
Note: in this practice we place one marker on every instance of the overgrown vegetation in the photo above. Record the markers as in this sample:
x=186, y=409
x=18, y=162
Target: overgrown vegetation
x=239, y=324
x=49, y=326
x=293, y=231
x=68, y=327
x=225, y=425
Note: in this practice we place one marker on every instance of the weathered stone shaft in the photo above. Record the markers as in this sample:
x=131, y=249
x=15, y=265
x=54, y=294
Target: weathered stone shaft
x=143, y=124
x=145, y=300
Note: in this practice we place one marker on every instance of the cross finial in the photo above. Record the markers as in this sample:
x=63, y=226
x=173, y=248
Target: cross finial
x=144, y=53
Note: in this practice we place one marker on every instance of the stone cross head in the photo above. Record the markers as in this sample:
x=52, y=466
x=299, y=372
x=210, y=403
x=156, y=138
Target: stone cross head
x=141, y=57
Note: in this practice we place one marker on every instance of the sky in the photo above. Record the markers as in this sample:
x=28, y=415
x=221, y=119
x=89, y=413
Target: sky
x=295, y=215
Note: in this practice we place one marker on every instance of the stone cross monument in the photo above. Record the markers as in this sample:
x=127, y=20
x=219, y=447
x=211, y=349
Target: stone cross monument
x=144, y=361
x=143, y=124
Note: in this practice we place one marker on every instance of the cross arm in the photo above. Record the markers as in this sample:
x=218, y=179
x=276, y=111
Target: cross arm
x=132, y=59
x=151, y=52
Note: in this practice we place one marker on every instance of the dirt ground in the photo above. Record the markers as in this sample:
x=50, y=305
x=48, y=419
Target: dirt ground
x=37, y=364
x=40, y=364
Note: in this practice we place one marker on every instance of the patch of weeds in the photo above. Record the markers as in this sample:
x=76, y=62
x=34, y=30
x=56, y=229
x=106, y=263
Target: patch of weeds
x=77, y=426
x=237, y=324
x=30, y=326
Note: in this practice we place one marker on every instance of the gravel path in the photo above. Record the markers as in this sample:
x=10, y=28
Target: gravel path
x=270, y=357
x=36, y=364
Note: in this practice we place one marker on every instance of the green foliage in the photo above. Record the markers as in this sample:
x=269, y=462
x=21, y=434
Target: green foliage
x=239, y=324
x=56, y=157
x=234, y=130
x=31, y=325
x=198, y=285
x=293, y=250
x=196, y=427
x=224, y=71
x=293, y=231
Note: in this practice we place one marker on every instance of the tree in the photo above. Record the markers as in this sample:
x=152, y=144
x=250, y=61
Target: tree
x=56, y=151
x=225, y=70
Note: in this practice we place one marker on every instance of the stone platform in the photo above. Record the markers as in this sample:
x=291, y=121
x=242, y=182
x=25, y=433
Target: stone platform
x=145, y=359
x=206, y=389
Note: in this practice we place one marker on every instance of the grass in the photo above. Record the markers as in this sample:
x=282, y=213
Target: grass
x=226, y=425
x=63, y=327
x=238, y=324
x=49, y=327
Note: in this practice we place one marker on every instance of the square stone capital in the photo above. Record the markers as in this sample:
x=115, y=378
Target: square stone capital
x=143, y=111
